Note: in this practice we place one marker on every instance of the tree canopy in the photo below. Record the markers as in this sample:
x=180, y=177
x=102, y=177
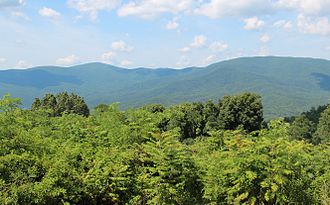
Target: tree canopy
x=62, y=103
x=160, y=155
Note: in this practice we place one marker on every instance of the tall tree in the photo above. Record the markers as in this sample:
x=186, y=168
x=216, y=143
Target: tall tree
x=241, y=111
x=301, y=129
x=62, y=103
x=322, y=134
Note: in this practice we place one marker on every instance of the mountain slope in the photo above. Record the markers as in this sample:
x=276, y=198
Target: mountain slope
x=287, y=85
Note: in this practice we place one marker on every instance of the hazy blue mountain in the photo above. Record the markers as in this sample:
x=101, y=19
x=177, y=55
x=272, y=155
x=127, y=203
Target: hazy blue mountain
x=288, y=85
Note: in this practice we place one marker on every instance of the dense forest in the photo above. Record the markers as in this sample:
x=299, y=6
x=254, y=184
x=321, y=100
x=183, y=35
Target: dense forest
x=60, y=152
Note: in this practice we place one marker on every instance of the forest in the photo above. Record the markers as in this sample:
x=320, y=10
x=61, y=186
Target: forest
x=61, y=152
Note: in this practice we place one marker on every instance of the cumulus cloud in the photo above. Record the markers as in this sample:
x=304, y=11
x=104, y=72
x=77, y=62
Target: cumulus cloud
x=223, y=8
x=68, y=60
x=121, y=46
x=316, y=25
x=218, y=46
x=284, y=24
x=253, y=23
x=210, y=58
x=265, y=38
x=307, y=7
x=108, y=56
x=173, y=24
x=152, y=8
x=48, y=12
x=11, y=3
x=185, y=49
x=126, y=63
x=22, y=64
x=93, y=7
x=198, y=41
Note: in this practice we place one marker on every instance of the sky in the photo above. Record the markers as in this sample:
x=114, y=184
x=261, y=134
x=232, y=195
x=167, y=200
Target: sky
x=159, y=33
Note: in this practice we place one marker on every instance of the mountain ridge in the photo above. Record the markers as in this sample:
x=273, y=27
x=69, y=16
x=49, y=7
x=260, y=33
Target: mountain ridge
x=288, y=85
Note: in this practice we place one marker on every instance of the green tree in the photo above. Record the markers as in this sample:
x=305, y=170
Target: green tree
x=210, y=113
x=101, y=108
x=322, y=134
x=188, y=118
x=301, y=129
x=8, y=103
x=241, y=111
x=154, y=108
x=62, y=103
x=264, y=170
x=168, y=174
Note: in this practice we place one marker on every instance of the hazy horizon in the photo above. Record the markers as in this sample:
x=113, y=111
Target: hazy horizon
x=145, y=67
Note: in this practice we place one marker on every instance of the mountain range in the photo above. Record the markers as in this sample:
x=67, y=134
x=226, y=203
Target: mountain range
x=288, y=85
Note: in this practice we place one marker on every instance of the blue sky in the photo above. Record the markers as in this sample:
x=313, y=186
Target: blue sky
x=159, y=33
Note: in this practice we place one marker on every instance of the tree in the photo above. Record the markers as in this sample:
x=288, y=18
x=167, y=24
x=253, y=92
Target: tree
x=168, y=174
x=241, y=111
x=314, y=114
x=301, y=129
x=62, y=103
x=101, y=108
x=154, y=108
x=188, y=118
x=322, y=134
x=8, y=103
x=210, y=113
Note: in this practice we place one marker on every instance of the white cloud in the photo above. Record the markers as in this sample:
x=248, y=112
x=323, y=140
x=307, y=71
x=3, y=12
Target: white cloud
x=185, y=49
x=317, y=25
x=210, y=58
x=69, y=60
x=222, y=8
x=121, y=46
x=307, y=7
x=108, y=55
x=284, y=24
x=218, y=46
x=11, y=3
x=198, y=41
x=253, y=23
x=126, y=63
x=2, y=60
x=22, y=64
x=92, y=7
x=48, y=12
x=265, y=38
x=173, y=24
x=152, y=8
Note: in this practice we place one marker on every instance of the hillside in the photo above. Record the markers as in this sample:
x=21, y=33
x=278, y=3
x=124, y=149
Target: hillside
x=288, y=85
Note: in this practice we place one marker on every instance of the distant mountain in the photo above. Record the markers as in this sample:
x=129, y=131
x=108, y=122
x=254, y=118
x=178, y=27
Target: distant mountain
x=288, y=85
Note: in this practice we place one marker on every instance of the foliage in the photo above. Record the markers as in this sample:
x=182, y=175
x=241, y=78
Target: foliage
x=322, y=134
x=7, y=103
x=301, y=129
x=62, y=103
x=241, y=111
x=176, y=155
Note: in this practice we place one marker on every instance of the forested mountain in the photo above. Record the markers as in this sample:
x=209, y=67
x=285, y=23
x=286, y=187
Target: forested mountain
x=288, y=85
